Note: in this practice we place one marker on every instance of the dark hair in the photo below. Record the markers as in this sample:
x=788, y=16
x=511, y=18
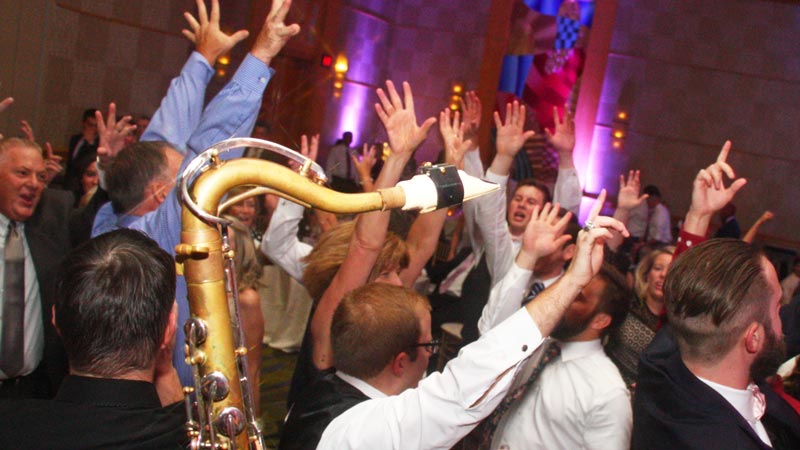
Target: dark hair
x=88, y=113
x=652, y=191
x=616, y=297
x=540, y=186
x=713, y=291
x=372, y=325
x=115, y=295
x=132, y=170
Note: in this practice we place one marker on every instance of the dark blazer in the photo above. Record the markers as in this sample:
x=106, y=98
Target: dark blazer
x=94, y=413
x=48, y=236
x=673, y=409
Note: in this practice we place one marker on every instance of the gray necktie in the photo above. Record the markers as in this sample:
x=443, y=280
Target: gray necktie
x=12, y=347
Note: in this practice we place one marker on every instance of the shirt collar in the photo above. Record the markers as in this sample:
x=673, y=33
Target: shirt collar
x=108, y=392
x=4, y=221
x=741, y=399
x=548, y=281
x=580, y=349
x=361, y=385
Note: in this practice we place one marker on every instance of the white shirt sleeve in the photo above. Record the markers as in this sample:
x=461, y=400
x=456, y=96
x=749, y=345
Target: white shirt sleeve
x=490, y=215
x=505, y=298
x=445, y=406
x=280, y=243
x=567, y=190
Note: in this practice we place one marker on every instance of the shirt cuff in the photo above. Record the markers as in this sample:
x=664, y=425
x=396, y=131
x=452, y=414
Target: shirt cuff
x=686, y=240
x=253, y=74
x=502, y=180
x=198, y=60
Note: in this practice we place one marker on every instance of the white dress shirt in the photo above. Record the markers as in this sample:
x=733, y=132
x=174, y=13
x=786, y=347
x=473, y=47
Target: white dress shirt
x=280, y=243
x=742, y=401
x=578, y=402
x=445, y=406
x=506, y=296
x=34, y=329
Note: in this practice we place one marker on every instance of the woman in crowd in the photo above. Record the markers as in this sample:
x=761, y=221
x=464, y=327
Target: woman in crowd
x=646, y=315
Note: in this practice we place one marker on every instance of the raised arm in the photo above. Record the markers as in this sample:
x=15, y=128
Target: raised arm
x=753, y=231
x=547, y=310
x=405, y=135
x=491, y=209
x=543, y=236
x=567, y=190
x=364, y=164
x=181, y=108
x=709, y=195
x=628, y=199
x=280, y=242
x=423, y=237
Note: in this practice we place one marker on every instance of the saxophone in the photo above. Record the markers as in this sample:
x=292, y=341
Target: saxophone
x=219, y=407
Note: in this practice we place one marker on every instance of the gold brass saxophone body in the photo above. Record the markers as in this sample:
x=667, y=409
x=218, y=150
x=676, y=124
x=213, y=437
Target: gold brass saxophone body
x=225, y=419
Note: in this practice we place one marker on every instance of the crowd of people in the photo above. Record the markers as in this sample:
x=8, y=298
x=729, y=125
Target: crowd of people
x=610, y=334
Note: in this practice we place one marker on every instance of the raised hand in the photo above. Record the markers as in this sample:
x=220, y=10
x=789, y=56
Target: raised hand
x=27, y=130
x=455, y=145
x=209, y=40
x=6, y=103
x=112, y=133
x=628, y=197
x=471, y=105
x=52, y=163
x=563, y=139
x=308, y=148
x=364, y=164
x=274, y=33
x=400, y=120
x=511, y=135
x=709, y=193
x=589, y=251
x=543, y=235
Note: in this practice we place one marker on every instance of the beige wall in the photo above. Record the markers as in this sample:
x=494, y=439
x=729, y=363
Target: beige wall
x=63, y=56
x=693, y=74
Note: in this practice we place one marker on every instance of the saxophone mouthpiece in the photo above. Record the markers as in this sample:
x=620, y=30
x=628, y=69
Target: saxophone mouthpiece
x=442, y=186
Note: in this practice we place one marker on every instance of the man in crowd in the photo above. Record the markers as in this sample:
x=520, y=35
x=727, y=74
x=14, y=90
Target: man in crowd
x=34, y=236
x=445, y=406
x=370, y=362
x=702, y=383
x=242, y=94
x=117, y=317
x=578, y=400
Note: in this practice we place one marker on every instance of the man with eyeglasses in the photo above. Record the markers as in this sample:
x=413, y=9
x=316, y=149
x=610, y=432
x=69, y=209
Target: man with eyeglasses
x=381, y=336
x=445, y=406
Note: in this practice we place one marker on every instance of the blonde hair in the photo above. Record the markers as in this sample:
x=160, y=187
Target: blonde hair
x=328, y=255
x=644, y=267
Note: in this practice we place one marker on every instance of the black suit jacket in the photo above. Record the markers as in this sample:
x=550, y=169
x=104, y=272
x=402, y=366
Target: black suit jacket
x=48, y=236
x=94, y=413
x=673, y=409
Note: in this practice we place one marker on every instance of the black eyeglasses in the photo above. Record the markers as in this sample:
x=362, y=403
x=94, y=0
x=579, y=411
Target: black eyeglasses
x=432, y=346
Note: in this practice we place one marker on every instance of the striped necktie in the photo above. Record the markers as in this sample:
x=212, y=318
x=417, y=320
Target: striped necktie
x=12, y=345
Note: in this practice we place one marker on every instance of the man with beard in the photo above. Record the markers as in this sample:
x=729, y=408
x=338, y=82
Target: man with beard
x=579, y=399
x=702, y=380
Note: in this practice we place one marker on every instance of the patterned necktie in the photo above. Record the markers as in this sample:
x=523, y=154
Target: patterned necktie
x=535, y=290
x=550, y=353
x=13, y=304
